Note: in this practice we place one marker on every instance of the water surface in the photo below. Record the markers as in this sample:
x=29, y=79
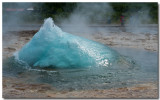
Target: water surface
x=92, y=77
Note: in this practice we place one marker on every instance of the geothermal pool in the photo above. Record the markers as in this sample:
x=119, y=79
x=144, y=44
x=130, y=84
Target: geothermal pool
x=93, y=77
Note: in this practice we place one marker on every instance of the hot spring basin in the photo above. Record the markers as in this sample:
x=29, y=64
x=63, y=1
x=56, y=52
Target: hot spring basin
x=91, y=77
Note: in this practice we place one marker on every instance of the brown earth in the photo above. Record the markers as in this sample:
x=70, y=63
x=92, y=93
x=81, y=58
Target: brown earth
x=16, y=88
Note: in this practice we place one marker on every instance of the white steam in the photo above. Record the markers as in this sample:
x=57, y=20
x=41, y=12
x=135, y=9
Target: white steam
x=138, y=22
x=87, y=15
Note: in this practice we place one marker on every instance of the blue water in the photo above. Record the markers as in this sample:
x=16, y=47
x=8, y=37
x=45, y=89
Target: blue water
x=51, y=47
x=118, y=75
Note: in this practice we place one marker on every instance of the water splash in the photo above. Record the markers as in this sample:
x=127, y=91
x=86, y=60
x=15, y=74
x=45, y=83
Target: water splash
x=51, y=47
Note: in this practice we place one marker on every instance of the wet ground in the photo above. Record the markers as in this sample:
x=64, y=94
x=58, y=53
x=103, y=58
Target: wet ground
x=102, y=83
x=15, y=88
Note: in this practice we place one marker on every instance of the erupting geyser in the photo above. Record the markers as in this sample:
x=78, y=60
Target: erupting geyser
x=51, y=47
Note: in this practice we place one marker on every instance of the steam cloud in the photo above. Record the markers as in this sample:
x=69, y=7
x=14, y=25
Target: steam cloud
x=85, y=20
x=137, y=22
x=85, y=16
x=13, y=15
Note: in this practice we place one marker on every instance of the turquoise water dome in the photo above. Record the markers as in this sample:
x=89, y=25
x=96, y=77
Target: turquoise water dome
x=51, y=47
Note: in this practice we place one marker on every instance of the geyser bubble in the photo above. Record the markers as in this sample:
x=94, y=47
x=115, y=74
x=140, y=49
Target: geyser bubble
x=51, y=47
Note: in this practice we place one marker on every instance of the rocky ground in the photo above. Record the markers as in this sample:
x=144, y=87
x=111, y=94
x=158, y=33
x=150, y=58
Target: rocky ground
x=16, y=88
x=129, y=40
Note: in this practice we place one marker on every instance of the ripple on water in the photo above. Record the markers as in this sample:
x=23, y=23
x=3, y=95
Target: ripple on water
x=93, y=77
